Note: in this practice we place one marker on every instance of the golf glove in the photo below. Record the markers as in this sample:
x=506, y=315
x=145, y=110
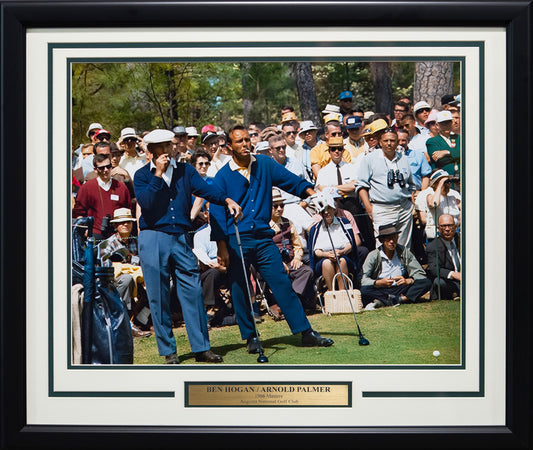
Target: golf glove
x=318, y=202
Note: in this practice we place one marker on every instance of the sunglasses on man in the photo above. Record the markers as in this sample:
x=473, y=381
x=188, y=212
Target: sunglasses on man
x=102, y=168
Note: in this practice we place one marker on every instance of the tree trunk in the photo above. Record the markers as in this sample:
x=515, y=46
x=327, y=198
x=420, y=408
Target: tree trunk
x=247, y=86
x=433, y=79
x=172, y=101
x=303, y=75
x=381, y=78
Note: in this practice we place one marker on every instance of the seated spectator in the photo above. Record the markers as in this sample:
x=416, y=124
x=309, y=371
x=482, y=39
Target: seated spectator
x=213, y=278
x=120, y=251
x=322, y=257
x=289, y=244
x=391, y=273
x=444, y=260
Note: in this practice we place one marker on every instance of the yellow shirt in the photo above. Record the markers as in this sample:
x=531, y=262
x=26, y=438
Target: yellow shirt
x=355, y=148
x=320, y=155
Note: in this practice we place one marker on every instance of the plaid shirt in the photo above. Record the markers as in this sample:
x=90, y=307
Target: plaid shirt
x=114, y=243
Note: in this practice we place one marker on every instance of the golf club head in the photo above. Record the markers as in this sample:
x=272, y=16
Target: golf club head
x=363, y=340
x=262, y=358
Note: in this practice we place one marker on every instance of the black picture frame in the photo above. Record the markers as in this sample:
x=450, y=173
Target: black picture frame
x=18, y=16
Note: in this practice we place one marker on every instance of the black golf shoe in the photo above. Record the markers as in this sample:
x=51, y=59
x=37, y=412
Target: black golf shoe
x=313, y=338
x=254, y=345
x=208, y=356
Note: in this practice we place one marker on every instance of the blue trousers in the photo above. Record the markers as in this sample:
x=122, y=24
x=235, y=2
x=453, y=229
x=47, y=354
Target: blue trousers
x=264, y=255
x=161, y=254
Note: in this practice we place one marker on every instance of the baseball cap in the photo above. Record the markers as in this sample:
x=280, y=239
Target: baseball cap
x=353, y=122
x=345, y=94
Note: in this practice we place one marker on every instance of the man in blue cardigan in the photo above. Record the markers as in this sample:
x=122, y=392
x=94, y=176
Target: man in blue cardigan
x=164, y=189
x=249, y=180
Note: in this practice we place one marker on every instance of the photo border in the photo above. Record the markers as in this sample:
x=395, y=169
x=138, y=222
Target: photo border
x=514, y=16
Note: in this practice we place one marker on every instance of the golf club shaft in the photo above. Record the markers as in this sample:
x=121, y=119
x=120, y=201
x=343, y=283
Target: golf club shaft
x=245, y=274
x=342, y=275
x=437, y=249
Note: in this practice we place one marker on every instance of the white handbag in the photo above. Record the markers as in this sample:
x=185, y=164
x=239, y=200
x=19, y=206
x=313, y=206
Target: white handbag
x=337, y=301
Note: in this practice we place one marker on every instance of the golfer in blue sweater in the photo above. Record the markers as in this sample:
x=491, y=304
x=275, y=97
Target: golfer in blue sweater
x=248, y=179
x=164, y=189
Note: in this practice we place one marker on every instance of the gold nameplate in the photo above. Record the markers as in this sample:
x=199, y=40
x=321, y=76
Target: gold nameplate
x=268, y=394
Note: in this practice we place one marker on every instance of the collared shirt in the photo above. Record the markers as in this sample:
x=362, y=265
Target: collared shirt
x=327, y=176
x=390, y=268
x=419, y=165
x=132, y=163
x=356, y=148
x=204, y=248
x=167, y=176
x=454, y=253
x=373, y=172
x=297, y=168
x=244, y=171
x=105, y=186
x=338, y=237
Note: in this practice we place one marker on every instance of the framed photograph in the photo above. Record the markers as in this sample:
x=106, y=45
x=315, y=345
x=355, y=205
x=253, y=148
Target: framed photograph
x=482, y=399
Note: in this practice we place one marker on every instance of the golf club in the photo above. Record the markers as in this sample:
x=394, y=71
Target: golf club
x=437, y=249
x=362, y=340
x=261, y=358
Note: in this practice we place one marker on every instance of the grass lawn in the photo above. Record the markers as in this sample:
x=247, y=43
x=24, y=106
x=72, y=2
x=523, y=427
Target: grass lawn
x=407, y=334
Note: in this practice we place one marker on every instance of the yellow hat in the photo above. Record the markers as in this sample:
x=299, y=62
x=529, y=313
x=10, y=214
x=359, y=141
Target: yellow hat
x=335, y=141
x=332, y=117
x=374, y=127
x=288, y=117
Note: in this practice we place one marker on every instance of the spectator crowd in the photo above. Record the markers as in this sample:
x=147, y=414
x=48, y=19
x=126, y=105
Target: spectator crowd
x=373, y=196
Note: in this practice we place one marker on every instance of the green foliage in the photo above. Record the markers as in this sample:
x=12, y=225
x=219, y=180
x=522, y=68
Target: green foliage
x=163, y=95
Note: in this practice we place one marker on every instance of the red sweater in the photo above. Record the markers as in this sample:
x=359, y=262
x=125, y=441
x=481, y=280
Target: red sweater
x=92, y=200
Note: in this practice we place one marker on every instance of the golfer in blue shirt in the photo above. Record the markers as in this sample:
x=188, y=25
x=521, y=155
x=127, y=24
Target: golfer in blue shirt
x=164, y=189
x=249, y=180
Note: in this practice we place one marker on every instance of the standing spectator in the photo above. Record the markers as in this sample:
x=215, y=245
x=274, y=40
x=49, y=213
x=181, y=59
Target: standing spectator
x=180, y=144
x=421, y=111
x=447, y=269
x=385, y=185
x=290, y=127
x=320, y=155
x=101, y=138
x=400, y=110
x=192, y=139
x=345, y=102
x=131, y=159
x=100, y=197
x=355, y=143
x=254, y=130
x=420, y=168
x=308, y=134
x=372, y=134
x=391, y=273
x=164, y=190
x=250, y=179
x=444, y=150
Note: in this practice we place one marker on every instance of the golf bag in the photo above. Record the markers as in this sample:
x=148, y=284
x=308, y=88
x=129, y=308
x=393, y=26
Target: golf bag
x=105, y=327
x=112, y=341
